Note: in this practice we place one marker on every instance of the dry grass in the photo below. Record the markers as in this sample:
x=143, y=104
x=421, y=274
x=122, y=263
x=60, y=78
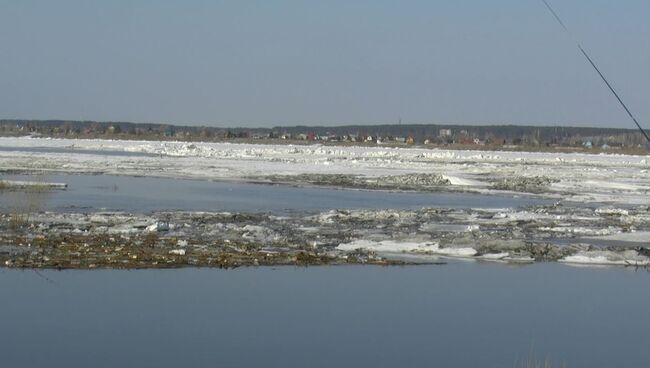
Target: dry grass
x=25, y=203
x=150, y=240
x=534, y=362
x=17, y=221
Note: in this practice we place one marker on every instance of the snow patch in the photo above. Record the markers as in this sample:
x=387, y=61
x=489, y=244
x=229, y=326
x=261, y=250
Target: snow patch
x=604, y=257
x=158, y=226
x=635, y=236
x=390, y=246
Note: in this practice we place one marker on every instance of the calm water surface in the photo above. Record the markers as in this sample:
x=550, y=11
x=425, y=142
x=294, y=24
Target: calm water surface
x=456, y=315
x=155, y=194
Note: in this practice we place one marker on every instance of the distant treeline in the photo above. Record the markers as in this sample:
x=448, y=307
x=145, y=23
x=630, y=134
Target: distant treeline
x=418, y=133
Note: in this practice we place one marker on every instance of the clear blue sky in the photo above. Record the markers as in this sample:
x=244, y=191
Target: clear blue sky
x=264, y=63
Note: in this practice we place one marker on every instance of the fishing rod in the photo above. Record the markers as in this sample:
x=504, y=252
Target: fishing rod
x=602, y=76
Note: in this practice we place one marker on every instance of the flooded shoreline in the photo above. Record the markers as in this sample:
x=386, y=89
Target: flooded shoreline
x=360, y=236
x=283, y=205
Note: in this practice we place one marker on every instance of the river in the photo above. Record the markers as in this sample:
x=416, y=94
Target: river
x=462, y=314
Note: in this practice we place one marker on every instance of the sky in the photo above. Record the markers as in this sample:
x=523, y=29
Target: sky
x=266, y=63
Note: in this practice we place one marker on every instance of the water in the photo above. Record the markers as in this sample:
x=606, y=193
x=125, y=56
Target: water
x=456, y=315
x=143, y=194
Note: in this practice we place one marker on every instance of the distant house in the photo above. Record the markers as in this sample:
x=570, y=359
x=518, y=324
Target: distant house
x=333, y=138
x=587, y=144
x=445, y=133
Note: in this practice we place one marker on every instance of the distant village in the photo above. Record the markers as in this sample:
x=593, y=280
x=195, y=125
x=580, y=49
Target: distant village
x=505, y=136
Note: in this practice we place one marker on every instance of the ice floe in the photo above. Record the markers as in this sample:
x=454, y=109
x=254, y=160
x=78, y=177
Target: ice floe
x=574, y=176
x=21, y=184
